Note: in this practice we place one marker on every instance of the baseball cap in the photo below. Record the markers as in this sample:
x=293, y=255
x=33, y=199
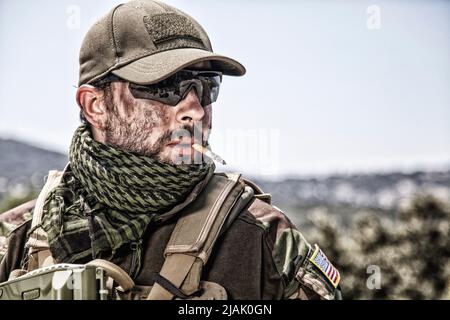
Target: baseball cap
x=145, y=42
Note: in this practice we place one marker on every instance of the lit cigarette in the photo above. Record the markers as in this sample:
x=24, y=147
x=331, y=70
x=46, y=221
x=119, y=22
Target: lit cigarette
x=208, y=153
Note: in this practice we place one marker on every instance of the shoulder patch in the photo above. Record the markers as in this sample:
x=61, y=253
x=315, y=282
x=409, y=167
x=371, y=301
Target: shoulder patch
x=320, y=260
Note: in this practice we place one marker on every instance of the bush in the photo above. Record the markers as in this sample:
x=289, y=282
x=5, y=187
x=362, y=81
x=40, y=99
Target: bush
x=10, y=201
x=410, y=255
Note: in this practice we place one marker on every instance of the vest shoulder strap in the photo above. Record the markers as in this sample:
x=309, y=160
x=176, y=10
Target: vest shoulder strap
x=259, y=193
x=39, y=254
x=191, y=242
x=195, y=234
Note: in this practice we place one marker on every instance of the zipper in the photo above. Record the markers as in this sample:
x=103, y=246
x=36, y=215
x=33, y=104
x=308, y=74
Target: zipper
x=136, y=249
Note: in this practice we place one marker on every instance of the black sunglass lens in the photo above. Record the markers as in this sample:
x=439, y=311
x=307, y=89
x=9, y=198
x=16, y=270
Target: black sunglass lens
x=211, y=89
x=175, y=88
x=164, y=95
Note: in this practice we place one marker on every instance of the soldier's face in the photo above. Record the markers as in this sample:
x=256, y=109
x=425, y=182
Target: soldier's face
x=151, y=128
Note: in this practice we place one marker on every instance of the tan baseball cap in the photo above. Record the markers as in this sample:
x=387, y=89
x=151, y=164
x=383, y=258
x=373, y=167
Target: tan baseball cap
x=145, y=42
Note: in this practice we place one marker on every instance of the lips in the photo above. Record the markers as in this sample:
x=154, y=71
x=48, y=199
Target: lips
x=173, y=143
x=183, y=143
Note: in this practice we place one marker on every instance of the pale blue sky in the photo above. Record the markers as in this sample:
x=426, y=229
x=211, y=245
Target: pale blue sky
x=329, y=94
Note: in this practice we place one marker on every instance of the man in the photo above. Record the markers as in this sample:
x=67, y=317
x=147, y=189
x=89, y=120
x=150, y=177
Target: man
x=140, y=189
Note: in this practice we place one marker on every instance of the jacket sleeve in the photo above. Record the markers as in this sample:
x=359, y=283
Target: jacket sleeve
x=14, y=251
x=11, y=219
x=305, y=270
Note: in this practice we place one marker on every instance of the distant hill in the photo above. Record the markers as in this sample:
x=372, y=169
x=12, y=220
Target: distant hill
x=23, y=165
x=387, y=191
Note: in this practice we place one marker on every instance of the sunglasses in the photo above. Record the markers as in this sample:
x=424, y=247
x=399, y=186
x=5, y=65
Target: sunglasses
x=175, y=88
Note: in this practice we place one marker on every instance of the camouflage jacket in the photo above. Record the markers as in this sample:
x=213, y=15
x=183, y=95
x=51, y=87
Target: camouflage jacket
x=261, y=255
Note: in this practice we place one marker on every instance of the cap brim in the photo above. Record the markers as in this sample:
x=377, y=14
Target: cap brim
x=157, y=67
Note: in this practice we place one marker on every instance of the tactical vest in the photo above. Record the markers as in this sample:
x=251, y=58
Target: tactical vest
x=187, y=251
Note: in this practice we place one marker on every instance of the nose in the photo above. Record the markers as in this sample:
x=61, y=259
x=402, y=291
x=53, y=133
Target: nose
x=190, y=109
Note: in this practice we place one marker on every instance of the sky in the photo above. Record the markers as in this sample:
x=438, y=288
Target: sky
x=331, y=86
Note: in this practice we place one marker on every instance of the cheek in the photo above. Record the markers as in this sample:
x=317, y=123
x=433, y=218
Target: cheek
x=154, y=119
x=124, y=105
x=155, y=116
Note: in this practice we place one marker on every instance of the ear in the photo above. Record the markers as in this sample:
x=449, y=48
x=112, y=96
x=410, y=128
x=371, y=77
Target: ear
x=91, y=101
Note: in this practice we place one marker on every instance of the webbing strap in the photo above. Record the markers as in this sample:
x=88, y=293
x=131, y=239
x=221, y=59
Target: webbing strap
x=175, y=269
x=115, y=272
x=37, y=243
x=195, y=233
x=197, y=230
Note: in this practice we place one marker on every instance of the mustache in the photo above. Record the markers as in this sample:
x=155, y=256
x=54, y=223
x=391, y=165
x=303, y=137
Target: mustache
x=193, y=130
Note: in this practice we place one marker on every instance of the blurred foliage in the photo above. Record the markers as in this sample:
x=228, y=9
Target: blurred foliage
x=10, y=201
x=411, y=252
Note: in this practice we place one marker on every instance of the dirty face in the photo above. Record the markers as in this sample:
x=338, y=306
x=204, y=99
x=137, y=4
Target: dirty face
x=155, y=129
x=151, y=128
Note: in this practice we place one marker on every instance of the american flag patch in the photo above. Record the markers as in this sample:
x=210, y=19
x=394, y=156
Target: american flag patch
x=321, y=261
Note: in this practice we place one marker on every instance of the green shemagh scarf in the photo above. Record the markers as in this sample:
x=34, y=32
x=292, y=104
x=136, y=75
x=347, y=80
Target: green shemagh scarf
x=108, y=197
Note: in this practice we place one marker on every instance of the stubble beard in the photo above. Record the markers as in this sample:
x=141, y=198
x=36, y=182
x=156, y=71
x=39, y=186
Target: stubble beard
x=133, y=137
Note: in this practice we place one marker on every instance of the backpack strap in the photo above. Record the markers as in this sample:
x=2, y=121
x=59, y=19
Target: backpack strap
x=195, y=234
x=39, y=254
x=259, y=193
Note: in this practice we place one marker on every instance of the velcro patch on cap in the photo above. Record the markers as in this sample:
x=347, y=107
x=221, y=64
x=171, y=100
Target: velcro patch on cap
x=169, y=26
x=320, y=260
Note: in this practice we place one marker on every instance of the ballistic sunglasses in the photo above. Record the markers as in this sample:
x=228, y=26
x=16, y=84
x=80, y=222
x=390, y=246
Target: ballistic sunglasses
x=175, y=88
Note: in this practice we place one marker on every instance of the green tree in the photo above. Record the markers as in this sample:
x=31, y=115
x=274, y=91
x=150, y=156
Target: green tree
x=412, y=252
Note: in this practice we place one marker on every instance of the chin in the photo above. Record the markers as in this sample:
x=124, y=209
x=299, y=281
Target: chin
x=165, y=156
